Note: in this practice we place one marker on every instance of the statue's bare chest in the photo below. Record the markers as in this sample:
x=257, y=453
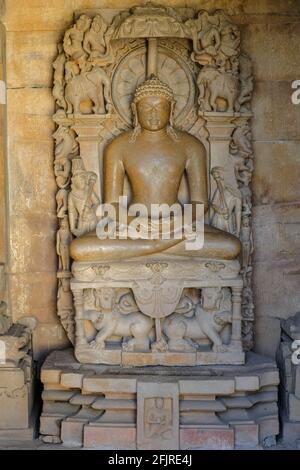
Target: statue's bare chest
x=159, y=161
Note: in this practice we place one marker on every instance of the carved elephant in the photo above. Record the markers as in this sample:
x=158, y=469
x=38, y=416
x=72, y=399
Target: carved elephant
x=214, y=84
x=94, y=86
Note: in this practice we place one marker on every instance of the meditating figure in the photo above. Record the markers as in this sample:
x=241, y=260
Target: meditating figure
x=155, y=157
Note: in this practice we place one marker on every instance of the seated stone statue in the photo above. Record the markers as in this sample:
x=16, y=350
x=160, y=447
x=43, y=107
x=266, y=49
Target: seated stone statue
x=154, y=156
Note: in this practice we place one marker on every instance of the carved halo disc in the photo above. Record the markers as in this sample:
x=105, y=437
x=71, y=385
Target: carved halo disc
x=172, y=69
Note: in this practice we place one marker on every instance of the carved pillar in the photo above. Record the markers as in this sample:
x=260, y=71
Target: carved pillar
x=220, y=127
x=4, y=216
x=236, y=335
x=152, y=57
x=79, y=318
x=88, y=129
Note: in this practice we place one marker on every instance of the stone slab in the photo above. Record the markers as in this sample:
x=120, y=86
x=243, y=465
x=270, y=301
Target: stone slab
x=50, y=425
x=87, y=355
x=109, y=384
x=246, y=434
x=243, y=383
x=297, y=382
x=294, y=408
x=193, y=438
x=209, y=358
x=157, y=415
x=71, y=380
x=10, y=435
x=156, y=359
x=290, y=431
x=100, y=437
x=205, y=386
x=14, y=399
x=72, y=433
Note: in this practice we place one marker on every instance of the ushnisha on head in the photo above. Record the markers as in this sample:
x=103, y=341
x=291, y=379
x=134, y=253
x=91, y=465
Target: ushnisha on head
x=153, y=107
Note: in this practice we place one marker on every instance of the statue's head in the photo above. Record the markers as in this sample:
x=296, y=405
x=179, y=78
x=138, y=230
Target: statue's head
x=105, y=298
x=83, y=23
x=97, y=23
x=245, y=221
x=153, y=106
x=217, y=173
x=159, y=403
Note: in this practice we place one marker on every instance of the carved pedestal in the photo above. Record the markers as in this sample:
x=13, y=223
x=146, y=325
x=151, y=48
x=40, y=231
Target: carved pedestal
x=16, y=382
x=288, y=358
x=156, y=286
x=207, y=407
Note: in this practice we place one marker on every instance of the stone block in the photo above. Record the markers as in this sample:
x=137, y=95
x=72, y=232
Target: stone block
x=71, y=380
x=294, y=408
x=244, y=384
x=87, y=355
x=30, y=127
x=153, y=359
x=31, y=191
x=280, y=44
x=283, y=158
x=50, y=425
x=37, y=15
x=14, y=399
x=27, y=299
x=204, y=386
x=72, y=433
x=206, y=439
x=48, y=337
x=276, y=117
x=157, y=415
x=30, y=57
x=297, y=382
x=275, y=228
x=100, y=437
x=51, y=376
x=269, y=378
x=109, y=385
x=268, y=427
x=290, y=431
x=246, y=434
x=31, y=101
x=32, y=242
x=230, y=357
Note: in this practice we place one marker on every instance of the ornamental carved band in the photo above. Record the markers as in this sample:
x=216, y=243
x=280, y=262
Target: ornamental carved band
x=102, y=60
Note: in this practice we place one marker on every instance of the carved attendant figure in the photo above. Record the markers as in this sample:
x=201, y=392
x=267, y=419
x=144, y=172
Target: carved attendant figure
x=64, y=238
x=94, y=42
x=226, y=204
x=73, y=40
x=82, y=201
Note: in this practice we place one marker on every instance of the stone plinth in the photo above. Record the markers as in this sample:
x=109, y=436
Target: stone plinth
x=200, y=407
x=16, y=395
x=288, y=362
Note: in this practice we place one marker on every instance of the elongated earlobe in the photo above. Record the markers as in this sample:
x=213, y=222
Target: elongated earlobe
x=172, y=113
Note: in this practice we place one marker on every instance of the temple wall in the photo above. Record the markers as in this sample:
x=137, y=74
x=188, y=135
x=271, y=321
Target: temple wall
x=271, y=36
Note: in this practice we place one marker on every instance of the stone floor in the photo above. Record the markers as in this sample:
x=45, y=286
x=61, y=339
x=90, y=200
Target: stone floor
x=36, y=444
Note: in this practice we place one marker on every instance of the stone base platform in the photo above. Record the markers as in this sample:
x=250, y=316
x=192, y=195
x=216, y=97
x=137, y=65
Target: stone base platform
x=116, y=356
x=18, y=415
x=202, y=407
